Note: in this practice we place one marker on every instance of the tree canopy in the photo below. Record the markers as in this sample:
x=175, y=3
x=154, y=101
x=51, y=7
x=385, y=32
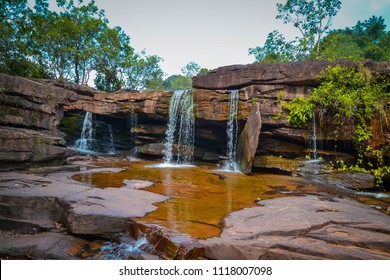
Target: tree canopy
x=70, y=45
x=366, y=40
x=184, y=81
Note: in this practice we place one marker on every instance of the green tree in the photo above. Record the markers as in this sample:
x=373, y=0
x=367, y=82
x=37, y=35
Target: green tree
x=113, y=56
x=177, y=82
x=144, y=73
x=14, y=26
x=67, y=43
x=311, y=17
x=191, y=69
x=336, y=45
x=366, y=40
x=275, y=49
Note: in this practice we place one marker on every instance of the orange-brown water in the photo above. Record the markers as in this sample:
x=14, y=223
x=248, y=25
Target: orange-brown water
x=201, y=197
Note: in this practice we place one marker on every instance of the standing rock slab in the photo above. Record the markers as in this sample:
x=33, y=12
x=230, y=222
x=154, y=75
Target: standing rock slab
x=249, y=139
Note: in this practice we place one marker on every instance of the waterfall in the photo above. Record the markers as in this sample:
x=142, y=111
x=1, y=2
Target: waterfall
x=132, y=123
x=232, y=133
x=181, y=127
x=111, y=145
x=85, y=142
x=313, y=138
x=185, y=149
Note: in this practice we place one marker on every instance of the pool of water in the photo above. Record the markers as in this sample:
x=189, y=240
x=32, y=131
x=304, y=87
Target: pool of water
x=201, y=196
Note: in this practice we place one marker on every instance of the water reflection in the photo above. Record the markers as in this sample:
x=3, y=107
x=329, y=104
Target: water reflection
x=201, y=196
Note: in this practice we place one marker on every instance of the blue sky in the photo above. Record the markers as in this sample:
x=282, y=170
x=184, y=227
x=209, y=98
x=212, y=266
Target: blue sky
x=214, y=33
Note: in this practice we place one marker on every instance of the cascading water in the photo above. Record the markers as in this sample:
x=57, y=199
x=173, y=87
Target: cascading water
x=312, y=166
x=132, y=123
x=181, y=127
x=313, y=139
x=124, y=250
x=85, y=142
x=232, y=134
x=111, y=146
x=185, y=149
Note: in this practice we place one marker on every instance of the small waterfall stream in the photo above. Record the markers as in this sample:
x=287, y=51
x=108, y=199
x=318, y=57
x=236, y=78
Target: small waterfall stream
x=111, y=146
x=84, y=143
x=313, y=138
x=181, y=128
x=232, y=134
x=87, y=142
x=132, y=124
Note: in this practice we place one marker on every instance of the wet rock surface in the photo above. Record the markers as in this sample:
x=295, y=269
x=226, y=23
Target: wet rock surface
x=48, y=245
x=40, y=216
x=304, y=227
x=42, y=201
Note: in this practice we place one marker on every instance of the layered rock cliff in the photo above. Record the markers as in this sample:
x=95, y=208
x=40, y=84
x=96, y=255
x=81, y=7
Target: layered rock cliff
x=40, y=119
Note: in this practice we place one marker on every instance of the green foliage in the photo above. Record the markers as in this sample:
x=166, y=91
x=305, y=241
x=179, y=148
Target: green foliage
x=13, y=37
x=366, y=40
x=275, y=49
x=177, y=82
x=191, y=69
x=183, y=82
x=70, y=45
x=300, y=111
x=312, y=18
x=350, y=97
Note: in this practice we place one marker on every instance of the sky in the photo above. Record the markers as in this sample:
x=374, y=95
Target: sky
x=214, y=33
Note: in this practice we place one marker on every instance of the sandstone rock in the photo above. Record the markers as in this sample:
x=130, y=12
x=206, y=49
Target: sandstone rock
x=35, y=92
x=216, y=134
x=269, y=144
x=153, y=149
x=153, y=104
x=308, y=227
x=211, y=156
x=41, y=246
x=137, y=184
x=248, y=141
x=84, y=90
x=30, y=114
x=357, y=180
x=297, y=135
x=214, y=105
x=278, y=164
x=150, y=129
x=20, y=148
x=165, y=243
x=42, y=201
x=290, y=73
